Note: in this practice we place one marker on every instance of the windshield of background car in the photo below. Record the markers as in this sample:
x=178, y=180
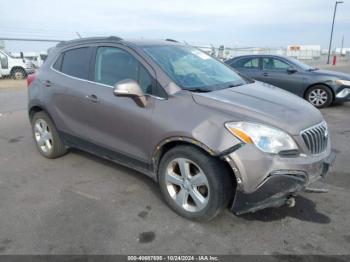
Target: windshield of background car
x=300, y=64
x=192, y=69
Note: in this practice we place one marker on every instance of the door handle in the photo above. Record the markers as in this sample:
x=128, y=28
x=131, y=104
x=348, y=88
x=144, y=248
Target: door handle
x=265, y=74
x=93, y=98
x=47, y=83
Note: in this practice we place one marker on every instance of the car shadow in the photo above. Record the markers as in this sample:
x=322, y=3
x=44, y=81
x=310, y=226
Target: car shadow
x=304, y=210
x=122, y=170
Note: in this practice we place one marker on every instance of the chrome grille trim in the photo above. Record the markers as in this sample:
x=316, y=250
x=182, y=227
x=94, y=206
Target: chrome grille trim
x=316, y=138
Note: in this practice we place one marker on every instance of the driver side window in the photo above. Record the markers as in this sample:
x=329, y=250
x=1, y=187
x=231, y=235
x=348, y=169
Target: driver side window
x=114, y=64
x=274, y=64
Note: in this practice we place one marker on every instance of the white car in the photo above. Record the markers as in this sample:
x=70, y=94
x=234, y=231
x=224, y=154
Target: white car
x=14, y=67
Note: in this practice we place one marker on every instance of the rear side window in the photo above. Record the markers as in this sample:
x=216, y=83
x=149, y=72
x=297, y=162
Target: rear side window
x=76, y=62
x=247, y=63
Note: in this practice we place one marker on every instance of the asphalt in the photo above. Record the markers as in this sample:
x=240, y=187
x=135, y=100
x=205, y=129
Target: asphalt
x=81, y=204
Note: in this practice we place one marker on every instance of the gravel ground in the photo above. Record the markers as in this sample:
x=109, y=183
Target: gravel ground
x=80, y=204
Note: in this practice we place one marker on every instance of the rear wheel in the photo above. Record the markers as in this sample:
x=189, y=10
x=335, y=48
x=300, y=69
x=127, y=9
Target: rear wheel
x=46, y=136
x=194, y=184
x=319, y=96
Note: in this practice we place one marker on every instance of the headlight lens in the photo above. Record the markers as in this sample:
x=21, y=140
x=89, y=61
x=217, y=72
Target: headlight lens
x=267, y=139
x=343, y=82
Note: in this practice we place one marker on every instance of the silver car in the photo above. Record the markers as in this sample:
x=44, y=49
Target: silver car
x=210, y=138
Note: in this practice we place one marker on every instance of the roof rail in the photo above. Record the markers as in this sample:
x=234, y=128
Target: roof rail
x=88, y=39
x=171, y=40
x=112, y=37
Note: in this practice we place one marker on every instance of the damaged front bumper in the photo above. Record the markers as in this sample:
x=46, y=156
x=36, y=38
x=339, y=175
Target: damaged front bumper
x=271, y=181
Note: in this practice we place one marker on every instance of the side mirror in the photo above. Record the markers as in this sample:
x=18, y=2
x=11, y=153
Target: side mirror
x=132, y=89
x=291, y=70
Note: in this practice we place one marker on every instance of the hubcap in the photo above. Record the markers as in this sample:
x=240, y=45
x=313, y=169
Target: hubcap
x=318, y=97
x=43, y=136
x=187, y=184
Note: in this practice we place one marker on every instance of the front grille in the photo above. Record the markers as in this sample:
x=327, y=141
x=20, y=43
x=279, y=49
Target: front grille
x=316, y=138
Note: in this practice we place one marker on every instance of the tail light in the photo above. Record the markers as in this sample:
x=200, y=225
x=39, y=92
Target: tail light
x=30, y=79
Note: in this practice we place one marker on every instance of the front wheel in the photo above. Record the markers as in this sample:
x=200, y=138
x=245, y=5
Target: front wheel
x=319, y=96
x=194, y=184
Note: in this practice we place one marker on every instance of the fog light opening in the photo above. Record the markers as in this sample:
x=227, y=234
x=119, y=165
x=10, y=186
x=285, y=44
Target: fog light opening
x=290, y=202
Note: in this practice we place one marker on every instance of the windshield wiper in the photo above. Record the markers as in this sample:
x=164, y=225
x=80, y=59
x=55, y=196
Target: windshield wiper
x=234, y=85
x=198, y=90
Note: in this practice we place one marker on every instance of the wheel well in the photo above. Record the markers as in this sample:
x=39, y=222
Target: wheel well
x=168, y=146
x=17, y=68
x=319, y=84
x=33, y=110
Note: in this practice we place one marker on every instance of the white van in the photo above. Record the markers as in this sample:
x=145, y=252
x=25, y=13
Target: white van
x=14, y=67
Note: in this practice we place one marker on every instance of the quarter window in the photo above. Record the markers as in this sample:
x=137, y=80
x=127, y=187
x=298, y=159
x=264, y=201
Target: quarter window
x=76, y=62
x=114, y=65
x=274, y=64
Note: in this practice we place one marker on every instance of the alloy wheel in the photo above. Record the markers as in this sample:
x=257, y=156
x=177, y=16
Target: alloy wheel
x=187, y=184
x=43, y=136
x=318, y=97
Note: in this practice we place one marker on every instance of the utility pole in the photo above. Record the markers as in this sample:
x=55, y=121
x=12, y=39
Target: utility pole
x=342, y=45
x=330, y=41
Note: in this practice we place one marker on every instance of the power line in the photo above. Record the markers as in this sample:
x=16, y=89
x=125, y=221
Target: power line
x=30, y=39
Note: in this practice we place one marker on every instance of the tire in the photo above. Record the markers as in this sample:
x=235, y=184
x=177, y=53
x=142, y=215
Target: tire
x=18, y=74
x=216, y=187
x=319, y=96
x=46, y=136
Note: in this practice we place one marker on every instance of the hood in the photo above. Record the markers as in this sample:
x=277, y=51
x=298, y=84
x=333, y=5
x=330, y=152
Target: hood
x=263, y=103
x=340, y=75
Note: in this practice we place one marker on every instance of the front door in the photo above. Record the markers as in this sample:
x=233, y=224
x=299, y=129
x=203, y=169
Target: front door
x=118, y=123
x=275, y=72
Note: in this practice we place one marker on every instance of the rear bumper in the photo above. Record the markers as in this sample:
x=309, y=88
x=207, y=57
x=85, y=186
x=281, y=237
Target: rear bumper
x=264, y=182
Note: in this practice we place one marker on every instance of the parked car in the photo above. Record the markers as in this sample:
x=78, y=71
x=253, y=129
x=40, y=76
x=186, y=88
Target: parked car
x=14, y=67
x=319, y=87
x=209, y=137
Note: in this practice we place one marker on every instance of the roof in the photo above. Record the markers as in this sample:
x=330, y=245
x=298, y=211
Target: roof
x=137, y=42
x=257, y=55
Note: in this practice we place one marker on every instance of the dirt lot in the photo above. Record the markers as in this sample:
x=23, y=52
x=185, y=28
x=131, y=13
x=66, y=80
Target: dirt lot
x=80, y=204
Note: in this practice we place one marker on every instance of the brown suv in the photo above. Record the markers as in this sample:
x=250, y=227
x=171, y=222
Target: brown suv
x=208, y=136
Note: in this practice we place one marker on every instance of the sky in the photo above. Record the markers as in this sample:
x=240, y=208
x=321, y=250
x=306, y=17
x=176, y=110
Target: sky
x=235, y=23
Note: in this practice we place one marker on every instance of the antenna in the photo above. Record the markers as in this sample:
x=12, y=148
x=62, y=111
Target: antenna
x=78, y=34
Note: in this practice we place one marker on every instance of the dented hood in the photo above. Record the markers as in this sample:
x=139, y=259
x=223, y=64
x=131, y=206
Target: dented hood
x=263, y=103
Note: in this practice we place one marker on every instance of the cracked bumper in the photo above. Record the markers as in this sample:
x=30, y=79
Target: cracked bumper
x=268, y=181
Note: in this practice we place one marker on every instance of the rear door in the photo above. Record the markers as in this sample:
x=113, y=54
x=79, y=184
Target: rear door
x=4, y=64
x=275, y=72
x=66, y=86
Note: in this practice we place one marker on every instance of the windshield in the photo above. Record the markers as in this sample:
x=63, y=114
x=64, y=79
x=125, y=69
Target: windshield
x=192, y=69
x=8, y=54
x=301, y=64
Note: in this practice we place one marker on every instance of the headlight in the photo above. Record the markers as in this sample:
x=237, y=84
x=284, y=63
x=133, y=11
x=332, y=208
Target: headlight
x=343, y=82
x=267, y=139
